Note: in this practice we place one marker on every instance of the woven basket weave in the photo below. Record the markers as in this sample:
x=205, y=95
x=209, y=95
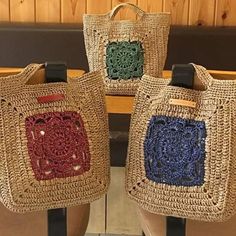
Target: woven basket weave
x=125, y=50
x=54, y=141
x=182, y=159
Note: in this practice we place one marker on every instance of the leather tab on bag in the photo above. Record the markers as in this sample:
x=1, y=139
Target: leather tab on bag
x=182, y=102
x=51, y=98
x=55, y=72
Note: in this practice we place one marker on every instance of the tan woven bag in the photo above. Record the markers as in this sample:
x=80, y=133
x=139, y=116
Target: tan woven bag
x=125, y=50
x=54, y=141
x=182, y=148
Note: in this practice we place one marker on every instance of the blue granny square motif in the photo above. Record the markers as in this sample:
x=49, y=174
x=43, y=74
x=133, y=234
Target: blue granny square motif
x=174, y=151
x=124, y=60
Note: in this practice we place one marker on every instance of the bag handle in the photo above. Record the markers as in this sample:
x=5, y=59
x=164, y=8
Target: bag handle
x=117, y=8
x=28, y=72
x=203, y=76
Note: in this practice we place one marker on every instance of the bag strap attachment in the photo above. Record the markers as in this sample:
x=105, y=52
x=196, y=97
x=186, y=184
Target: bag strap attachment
x=55, y=72
x=183, y=75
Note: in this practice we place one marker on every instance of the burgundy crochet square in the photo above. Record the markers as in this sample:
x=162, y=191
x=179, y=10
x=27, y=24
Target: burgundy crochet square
x=57, y=145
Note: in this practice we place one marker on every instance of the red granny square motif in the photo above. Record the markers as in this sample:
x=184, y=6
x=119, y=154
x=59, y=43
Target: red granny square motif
x=57, y=145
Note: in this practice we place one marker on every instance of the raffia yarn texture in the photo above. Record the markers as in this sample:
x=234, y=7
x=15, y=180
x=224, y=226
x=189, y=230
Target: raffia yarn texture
x=125, y=50
x=54, y=141
x=182, y=160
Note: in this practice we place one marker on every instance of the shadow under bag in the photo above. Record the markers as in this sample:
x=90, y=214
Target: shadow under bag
x=125, y=50
x=182, y=148
x=54, y=149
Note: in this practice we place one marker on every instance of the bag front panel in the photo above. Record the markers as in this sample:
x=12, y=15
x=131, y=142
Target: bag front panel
x=56, y=153
x=180, y=166
x=125, y=50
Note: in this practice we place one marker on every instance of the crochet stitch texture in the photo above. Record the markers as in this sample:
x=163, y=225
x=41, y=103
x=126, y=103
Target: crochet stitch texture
x=57, y=145
x=174, y=151
x=124, y=60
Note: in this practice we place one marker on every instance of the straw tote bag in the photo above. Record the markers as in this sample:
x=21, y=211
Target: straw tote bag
x=54, y=141
x=125, y=50
x=182, y=148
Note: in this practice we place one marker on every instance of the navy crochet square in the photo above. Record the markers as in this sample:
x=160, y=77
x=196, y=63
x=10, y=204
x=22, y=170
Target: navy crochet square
x=174, y=151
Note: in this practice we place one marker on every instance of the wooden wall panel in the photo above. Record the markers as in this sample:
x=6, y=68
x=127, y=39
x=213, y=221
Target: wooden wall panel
x=192, y=12
x=226, y=13
x=72, y=11
x=150, y=5
x=179, y=10
x=103, y=7
x=202, y=12
x=125, y=13
x=22, y=10
x=4, y=10
x=48, y=11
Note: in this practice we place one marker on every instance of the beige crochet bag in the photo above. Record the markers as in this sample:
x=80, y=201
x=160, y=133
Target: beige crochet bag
x=182, y=148
x=125, y=50
x=54, y=149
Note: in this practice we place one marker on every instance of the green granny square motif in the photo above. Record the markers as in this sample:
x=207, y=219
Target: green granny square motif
x=124, y=60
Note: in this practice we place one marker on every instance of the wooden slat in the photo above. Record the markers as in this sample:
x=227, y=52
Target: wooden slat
x=4, y=10
x=179, y=10
x=202, y=12
x=48, y=11
x=119, y=104
x=22, y=10
x=124, y=104
x=226, y=13
x=72, y=11
x=150, y=5
x=125, y=13
x=103, y=7
x=121, y=212
x=4, y=71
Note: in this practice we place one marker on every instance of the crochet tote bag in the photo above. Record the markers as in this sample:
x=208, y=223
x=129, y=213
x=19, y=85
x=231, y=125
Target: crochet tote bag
x=182, y=148
x=125, y=50
x=54, y=141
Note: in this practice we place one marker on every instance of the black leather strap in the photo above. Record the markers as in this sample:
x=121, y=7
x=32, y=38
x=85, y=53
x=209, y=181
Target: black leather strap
x=55, y=72
x=182, y=75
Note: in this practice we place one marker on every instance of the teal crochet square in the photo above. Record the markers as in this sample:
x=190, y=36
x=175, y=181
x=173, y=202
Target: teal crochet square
x=124, y=60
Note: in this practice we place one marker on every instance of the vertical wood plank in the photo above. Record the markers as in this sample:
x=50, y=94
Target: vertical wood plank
x=202, y=12
x=226, y=13
x=124, y=13
x=72, y=11
x=150, y=5
x=97, y=217
x=179, y=10
x=48, y=10
x=22, y=10
x=102, y=7
x=122, y=215
x=4, y=10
